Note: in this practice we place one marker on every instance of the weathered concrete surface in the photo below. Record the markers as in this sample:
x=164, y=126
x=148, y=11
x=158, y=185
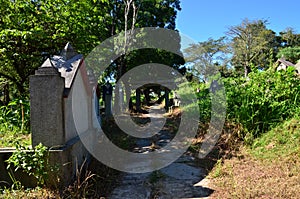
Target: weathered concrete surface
x=132, y=192
x=5, y=179
x=59, y=158
x=133, y=186
x=60, y=89
x=178, y=180
x=46, y=110
x=181, y=179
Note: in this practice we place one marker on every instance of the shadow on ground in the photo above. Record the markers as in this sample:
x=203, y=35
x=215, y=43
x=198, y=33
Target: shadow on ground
x=184, y=178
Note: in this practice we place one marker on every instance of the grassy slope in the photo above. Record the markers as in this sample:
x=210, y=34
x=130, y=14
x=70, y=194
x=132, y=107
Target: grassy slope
x=280, y=142
x=268, y=169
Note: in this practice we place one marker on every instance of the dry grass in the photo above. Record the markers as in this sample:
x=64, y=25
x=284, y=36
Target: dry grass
x=96, y=181
x=267, y=169
x=30, y=194
x=228, y=143
x=248, y=177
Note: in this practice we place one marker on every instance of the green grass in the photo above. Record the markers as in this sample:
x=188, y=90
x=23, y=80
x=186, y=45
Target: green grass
x=9, y=137
x=269, y=168
x=282, y=141
x=28, y=193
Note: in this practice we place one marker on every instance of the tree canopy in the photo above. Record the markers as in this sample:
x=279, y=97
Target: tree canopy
x=251, y=43
x=248, y=46
x=290, y=53
x=33, y=28
x=204, y=55
x=29, y=28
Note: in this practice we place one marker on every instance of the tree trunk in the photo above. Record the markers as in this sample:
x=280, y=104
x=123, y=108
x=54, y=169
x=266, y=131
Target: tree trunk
x=247, y=70
x=127, y=94
x=119, y=99
x=6, y=99
x=147, y=96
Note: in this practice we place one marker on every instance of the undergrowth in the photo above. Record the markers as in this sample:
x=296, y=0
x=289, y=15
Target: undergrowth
x=14, y=123
x=282, y=141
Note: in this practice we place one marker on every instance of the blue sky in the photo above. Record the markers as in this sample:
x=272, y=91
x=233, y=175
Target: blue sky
x=202, y=19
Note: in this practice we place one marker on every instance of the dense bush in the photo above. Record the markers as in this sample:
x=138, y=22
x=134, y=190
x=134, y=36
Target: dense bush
x=263, y=100
x=14, y=123
x=32, y=161
x=204, y=101
x=257, y=103
x=15, y=115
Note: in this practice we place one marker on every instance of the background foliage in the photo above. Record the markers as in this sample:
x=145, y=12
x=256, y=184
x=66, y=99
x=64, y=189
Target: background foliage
x=258, y=97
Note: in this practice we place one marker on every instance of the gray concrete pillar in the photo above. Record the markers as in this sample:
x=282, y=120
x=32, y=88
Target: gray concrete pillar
x=107, y=94
x=46, y=107
x=108, y=105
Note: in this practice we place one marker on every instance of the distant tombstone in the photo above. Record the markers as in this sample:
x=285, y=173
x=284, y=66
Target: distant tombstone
x=176, y=99
x=97, y=106
x=214, y=86
x=107, y=97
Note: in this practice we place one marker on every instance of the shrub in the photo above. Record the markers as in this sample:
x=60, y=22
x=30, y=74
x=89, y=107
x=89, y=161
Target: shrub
x=263, y=100
x=33, y=162
x=14, y=123
x=15, y=114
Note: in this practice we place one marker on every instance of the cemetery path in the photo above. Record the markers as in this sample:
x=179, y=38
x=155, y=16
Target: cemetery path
x=181, y=179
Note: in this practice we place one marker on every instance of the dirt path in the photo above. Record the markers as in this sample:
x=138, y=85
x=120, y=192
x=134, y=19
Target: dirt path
x=181, y=179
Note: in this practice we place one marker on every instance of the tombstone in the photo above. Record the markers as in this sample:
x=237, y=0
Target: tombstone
x=59, y=85
x=107, y=97
x=176, y=99
x=96, y=93
x=214, y=86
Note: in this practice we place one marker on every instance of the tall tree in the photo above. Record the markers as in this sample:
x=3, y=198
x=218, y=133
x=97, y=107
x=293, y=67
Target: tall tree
x=29, y=28
x=289, y=45
x=146, y=14
x=136, y=14
x=289, y=38
x=206, y=56
x=290, y=53
x=251, y=44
